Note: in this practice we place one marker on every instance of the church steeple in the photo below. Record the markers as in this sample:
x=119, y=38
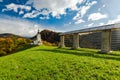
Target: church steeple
x=38, y=38
x=38, y=31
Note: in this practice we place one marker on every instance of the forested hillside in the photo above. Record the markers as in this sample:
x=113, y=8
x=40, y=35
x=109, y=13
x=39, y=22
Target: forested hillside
x=10, y=43
x=49, y=37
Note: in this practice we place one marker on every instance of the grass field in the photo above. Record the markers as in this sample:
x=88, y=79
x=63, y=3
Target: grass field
x=52, y=63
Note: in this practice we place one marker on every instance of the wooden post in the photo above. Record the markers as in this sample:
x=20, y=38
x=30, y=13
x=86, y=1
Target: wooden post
x=75, y=41
x=106, y=41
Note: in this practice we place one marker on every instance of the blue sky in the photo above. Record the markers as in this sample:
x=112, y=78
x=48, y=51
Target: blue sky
x=24, y=17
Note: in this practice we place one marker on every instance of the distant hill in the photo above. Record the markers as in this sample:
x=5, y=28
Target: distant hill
x=49, y=36
x=10, y=35
x=10, y=43
x=6, y=35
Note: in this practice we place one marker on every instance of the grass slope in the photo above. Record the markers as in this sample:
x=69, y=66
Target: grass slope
x=51, y=63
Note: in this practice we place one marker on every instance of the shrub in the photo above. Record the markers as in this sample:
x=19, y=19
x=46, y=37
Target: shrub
x=8, y=45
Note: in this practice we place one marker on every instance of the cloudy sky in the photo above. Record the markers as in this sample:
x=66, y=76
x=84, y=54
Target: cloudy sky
x=24, y=17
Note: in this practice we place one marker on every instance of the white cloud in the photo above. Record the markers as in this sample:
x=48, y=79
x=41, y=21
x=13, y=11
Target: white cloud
x=101, y=24
x=67, y=24
x=90, y=25
x=103, y=6
x=21, y=12
x=79, y=21
x=117, y=20
x=17, y=26
x=56, y=7
x=83, y=10
x=15, y=8
x=97, y=16
x=99, y=9
x=1, y=0
x=44, y=17
x=35, y=13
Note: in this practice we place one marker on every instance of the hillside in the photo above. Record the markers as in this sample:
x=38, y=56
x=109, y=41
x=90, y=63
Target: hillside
x=10, y=43
x=49, y=36
x=6, y=35
x=52, y=63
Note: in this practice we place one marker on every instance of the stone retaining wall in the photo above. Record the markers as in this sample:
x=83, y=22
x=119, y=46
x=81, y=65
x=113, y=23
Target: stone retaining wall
x=93, y=40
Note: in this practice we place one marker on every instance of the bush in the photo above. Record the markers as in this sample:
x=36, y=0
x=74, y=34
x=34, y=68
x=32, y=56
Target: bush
x=46, y=43
x=2, y=53
x=8, y=45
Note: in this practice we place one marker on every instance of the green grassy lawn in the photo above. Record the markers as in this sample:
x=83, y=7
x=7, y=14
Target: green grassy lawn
x=52, y=63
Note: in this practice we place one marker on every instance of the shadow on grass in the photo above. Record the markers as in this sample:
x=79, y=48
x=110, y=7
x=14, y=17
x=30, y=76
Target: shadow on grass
x=18, y=49
x=87, y=53
x=24, y=47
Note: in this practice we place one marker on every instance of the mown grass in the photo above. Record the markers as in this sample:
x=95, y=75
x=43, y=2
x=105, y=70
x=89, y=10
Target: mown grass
x=52, y=63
